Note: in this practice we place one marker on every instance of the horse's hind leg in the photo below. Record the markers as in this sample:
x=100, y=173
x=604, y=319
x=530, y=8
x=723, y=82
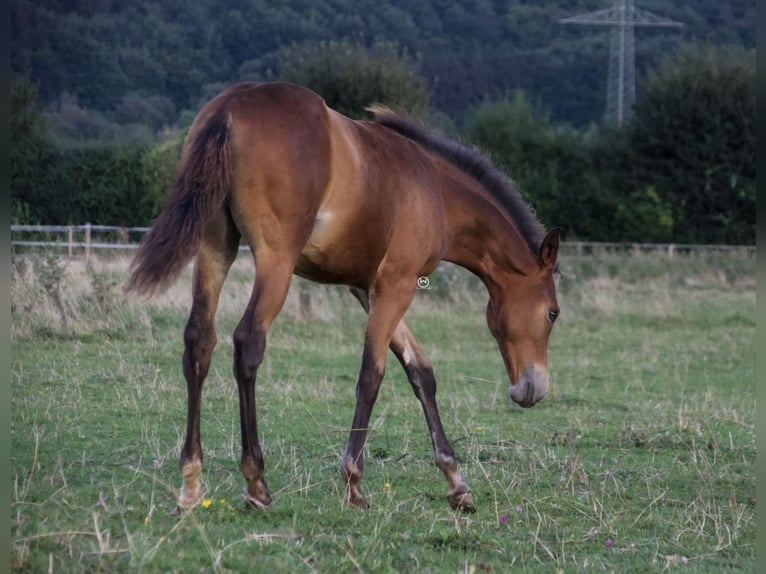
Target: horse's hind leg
x=420, y=374
x=272, y=281
x=217, y=251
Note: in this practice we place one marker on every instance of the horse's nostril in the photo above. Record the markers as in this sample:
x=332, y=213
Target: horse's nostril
x=531, y=387
x=530, y=393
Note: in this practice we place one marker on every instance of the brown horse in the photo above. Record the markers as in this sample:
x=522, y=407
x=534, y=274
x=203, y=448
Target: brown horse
x=372, y=205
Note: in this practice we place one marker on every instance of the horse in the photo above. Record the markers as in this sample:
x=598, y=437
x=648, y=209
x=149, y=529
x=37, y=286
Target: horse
x=370, y=204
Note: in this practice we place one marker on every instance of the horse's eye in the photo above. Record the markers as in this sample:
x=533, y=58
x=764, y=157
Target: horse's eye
x=552, y=314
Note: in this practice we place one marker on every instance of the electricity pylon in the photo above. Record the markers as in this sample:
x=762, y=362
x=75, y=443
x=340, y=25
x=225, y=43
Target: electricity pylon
x=621, y=83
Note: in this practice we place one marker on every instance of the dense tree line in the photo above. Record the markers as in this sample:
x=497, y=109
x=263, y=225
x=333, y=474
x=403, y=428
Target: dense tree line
x=104, y=90
x=53, y=184
x=682, y=170
x=146, y=61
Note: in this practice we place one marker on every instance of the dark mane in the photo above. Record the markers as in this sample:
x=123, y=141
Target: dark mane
x=471, y=161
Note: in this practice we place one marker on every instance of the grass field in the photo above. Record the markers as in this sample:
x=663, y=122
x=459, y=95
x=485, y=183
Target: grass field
x=641, y=458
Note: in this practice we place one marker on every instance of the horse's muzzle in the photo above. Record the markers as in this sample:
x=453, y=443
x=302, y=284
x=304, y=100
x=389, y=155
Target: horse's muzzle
x=531, y=386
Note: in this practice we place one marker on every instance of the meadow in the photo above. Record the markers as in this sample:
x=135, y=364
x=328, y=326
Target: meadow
x=641, y=458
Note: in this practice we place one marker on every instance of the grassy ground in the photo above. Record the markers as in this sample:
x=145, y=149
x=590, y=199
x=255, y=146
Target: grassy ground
x=641, y=458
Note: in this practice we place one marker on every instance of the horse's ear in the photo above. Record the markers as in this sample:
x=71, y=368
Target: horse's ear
x=549, y=249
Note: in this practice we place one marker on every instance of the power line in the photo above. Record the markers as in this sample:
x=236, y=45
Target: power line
x=621, y=83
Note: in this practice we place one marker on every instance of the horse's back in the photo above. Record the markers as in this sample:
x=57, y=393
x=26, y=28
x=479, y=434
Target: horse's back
x=346, y=193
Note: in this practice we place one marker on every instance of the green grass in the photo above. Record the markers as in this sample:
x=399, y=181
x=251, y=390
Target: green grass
x=641, y=458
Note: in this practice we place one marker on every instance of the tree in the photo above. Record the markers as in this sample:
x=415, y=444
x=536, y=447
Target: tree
x=578, y=181
x=693, y=139
x=350, y=77
x=31, y=149
x=525, y=144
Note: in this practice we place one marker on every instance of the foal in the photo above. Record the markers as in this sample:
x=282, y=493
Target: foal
x=372, y=205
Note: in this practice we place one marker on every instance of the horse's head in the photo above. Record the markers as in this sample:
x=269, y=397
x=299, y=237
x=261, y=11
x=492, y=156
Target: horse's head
x=520, y=315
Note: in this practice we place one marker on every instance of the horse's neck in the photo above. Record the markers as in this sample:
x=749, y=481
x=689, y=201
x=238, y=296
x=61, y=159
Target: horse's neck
x=481, y=236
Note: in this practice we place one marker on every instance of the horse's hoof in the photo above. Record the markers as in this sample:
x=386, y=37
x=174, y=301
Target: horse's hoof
x=259, y=504
x=188, y=500
x=257, y=495
x=357, y=500
x=462, y=500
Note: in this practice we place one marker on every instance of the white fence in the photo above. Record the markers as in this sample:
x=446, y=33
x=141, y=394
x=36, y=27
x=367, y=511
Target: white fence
x=72, y=237
x=77, y=239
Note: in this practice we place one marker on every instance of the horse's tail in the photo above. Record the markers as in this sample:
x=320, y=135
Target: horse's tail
x=200, y=189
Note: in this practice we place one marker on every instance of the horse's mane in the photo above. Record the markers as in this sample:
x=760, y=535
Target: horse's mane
x=471, y=161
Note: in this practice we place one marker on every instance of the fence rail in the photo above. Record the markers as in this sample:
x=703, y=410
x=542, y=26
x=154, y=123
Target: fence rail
x=80, y=237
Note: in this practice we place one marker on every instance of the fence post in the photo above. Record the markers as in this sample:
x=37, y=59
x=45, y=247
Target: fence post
x=87, y=241
x=69, y=235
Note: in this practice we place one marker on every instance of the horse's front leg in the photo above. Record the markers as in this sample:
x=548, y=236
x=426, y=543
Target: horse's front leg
x=387, y=306
x=368, y=385
x=421, y=377
x=420, y=373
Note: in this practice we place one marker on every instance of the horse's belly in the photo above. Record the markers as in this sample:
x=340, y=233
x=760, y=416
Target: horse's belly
x=333, y=254
x=320, y=267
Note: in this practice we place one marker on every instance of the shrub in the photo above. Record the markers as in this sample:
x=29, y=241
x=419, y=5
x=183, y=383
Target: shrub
x=351, y=77
x=693, y=139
